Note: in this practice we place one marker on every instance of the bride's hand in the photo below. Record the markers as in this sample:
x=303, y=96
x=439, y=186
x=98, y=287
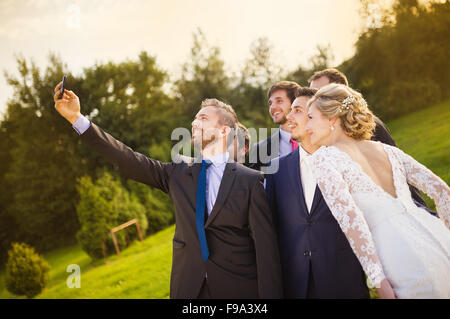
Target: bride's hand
x=385, y=291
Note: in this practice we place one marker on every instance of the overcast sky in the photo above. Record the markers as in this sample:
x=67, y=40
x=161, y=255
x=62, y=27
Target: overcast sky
x=86, y=32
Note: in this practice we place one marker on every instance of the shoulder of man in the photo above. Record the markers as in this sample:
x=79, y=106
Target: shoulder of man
x=269, y=139
x=382, y=133
x=179, y=158
x=265, y=141
x=282, y=161
x=244, y=171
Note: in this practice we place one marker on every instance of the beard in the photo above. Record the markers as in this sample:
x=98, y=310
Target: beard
x=201, y=144
x=280, y=121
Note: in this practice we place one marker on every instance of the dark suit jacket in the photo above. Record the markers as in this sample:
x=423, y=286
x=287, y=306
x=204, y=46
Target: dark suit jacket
x=313, y=238
x=244, y=259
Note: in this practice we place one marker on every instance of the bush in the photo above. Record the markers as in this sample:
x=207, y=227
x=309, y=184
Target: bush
x=104, y=205
x=158, y=206
x=26, y=271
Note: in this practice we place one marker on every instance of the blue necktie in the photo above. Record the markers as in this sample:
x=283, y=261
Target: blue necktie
x=200, y=209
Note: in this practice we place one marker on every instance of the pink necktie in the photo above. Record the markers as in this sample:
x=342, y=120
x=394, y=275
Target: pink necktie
x=293, y=144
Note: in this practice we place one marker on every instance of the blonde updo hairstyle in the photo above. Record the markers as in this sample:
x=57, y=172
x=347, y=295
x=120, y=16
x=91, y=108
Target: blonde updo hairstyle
x=357, y=121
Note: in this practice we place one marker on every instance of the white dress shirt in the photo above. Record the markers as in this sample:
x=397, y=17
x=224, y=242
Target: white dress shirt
x=81, y=124
x=214, y=175
x=307, y=177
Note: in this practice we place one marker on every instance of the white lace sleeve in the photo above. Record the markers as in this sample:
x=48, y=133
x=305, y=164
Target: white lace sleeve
x=425, y=180
x=337, y=195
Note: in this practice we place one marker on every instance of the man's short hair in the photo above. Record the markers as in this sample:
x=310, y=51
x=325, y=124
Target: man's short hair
x=288, y=86
x=305, y=91
x=333, y=75
x=227, y=115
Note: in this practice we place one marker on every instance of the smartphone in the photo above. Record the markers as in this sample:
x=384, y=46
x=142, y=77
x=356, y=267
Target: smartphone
x=61, y=92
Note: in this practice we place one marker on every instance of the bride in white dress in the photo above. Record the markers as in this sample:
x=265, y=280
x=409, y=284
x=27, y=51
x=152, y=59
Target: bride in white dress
x=404, y=250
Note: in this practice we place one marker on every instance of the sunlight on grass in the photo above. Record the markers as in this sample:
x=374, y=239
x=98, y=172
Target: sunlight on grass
x=425, y=136
x=142, y=271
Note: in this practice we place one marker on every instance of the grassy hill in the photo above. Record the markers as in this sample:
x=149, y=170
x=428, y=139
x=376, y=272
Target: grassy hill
x=143, y=270
x=425, y=135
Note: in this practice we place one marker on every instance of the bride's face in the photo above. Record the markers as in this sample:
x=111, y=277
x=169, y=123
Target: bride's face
x=318, y=127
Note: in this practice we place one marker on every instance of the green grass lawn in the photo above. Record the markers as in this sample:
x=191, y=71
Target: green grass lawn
x=425, y=135
x=143, y=270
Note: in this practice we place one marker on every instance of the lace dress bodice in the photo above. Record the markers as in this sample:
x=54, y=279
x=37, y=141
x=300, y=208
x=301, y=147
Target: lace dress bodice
x=341, y=180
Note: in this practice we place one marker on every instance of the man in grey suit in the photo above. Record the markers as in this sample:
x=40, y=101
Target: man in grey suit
x=234, y=253
x=280, y=97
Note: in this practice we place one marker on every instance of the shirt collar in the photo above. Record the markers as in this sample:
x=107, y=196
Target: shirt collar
x=303, y=153
x=220, y=159
x=285, y=136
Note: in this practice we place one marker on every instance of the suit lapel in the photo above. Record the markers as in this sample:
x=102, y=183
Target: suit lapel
x=194, y=171
x=295, y=177
x=228, y=177
x=317, y=198
x=317, y=194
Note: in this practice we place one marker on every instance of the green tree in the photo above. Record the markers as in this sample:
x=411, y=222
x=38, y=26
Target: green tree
x=41, y=156
x=128, y=100
x=203, y=76
x=8, y=227
x=398, y=70
x=158, y=206
x=40, y=147
x=322, y=59
x=249, y=95
x=104, y=205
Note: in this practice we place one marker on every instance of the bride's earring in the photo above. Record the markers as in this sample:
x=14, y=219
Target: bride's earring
x=332, y=127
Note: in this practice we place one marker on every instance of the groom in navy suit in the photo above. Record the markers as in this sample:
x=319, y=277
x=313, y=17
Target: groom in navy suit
x=316, y=258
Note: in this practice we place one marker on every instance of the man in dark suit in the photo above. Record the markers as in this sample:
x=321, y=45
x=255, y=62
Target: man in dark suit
x=316, y=258
x=280, y=97
x=382, y=133
x=234, y=253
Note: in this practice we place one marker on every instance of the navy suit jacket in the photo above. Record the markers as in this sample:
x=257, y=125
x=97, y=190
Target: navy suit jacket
x=311, y=241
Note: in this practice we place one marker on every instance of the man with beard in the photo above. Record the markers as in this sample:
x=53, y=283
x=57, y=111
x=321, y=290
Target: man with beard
x=238, y=149
x=225, y=243
x=280, y=97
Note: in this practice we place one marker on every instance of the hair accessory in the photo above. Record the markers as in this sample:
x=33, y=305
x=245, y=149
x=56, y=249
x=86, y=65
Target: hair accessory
x=350, y=100
x=347, y=101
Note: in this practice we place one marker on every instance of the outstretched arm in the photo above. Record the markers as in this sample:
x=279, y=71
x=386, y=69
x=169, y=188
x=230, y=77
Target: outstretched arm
x=425, y=180
x=133, y=164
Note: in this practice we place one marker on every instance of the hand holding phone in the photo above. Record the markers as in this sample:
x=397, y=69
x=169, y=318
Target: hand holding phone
x=61, y=92
x=66, y=102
